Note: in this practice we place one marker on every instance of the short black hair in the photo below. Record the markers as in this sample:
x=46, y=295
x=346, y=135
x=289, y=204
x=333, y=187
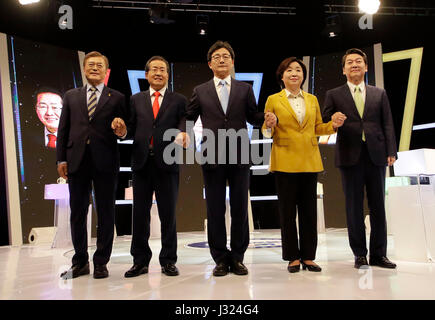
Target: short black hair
x=45, y=89
x=96, y=54
x=283, y=66
x=354, y=51
x=147, y=65
x=219, y=45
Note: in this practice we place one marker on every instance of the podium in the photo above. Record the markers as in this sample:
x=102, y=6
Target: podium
x=412, y=207
x=62, y=213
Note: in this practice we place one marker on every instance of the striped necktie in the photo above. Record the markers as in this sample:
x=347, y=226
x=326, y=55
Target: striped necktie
x=92, y=103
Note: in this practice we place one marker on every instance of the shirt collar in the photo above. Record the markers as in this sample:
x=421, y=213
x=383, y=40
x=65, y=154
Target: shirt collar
x=352, y=86
x=99, y=87
x=48, y=132
x=291, y=95
x=162, y=91
x=218, y=80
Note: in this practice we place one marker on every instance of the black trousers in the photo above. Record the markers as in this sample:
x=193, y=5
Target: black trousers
x=372, y=177
x=80, y=187
x=215, y=181
x=297, y=190
x=165, y=184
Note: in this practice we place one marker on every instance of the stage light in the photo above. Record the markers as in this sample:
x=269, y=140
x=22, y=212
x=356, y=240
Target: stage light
x=202, y=24
x=26, y=2
x=369, y=6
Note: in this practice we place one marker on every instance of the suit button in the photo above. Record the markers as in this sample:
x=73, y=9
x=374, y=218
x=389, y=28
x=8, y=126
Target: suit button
x=154, y=127
x=88, y=141
x=226, y=119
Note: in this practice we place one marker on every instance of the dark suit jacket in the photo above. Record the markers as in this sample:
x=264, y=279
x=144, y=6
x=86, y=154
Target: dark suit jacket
x=142, y=126
x=241, y=108
x=75, y=129
x=377, y=123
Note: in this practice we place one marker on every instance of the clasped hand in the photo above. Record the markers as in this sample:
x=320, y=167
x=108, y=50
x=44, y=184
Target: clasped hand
x=119, y=127
x=270, y=119
x=338, y=119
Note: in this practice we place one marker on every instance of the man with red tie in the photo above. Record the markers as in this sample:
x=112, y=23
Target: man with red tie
x=48, y=108
x=152, y=113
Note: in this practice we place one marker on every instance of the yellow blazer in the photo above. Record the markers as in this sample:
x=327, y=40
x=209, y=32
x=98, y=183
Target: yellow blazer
x=295, y=147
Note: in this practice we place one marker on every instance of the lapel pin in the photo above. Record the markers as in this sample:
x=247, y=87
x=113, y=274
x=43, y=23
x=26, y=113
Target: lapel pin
x=109, y=94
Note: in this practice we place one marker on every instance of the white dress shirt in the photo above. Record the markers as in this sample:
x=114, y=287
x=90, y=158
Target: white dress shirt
x=297, y=102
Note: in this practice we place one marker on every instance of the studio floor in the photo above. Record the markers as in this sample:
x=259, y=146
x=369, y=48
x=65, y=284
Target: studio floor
x=32, y=273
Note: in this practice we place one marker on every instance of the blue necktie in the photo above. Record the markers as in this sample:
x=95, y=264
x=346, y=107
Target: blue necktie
x=224, y=96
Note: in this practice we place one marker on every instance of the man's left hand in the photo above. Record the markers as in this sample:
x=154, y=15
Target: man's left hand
x=119, y=127
x=391, y=161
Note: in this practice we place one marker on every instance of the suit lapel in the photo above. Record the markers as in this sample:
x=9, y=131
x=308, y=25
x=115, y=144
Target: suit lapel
x=347, y=95
x=213, y=94
x=286, y=105
x=369, y=101
x=308, y=110
x=166, y=102
x=233, y=92
x=147, y=105
x=104, y=97
x=84, y=101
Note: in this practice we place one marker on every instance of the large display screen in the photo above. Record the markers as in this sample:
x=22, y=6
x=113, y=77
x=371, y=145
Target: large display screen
x=40, y=74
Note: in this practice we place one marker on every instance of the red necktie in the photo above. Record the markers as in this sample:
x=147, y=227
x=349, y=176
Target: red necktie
x=156, y=105
x=51, y=141
x=156, y=108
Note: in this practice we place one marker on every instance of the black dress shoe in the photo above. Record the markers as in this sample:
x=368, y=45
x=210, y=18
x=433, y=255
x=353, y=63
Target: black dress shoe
x=237, y=267
x=382, y=262
x=221, y=269
x=100, y=271
x=361, y=261
x=75, y=271
x=170, y=270
x=311, y=267
x=136, y=270
x=293, y=269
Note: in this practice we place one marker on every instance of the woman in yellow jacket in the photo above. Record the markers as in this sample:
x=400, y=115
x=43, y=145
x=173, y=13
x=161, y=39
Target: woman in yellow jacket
x=296, y=160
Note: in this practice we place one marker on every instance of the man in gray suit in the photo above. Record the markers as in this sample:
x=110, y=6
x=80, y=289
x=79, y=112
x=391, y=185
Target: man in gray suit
x=366, y=144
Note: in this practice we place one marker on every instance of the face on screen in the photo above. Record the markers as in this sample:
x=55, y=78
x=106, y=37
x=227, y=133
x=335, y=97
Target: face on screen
x=49, y=108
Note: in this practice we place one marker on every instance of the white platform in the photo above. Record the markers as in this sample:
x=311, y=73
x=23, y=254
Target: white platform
x=32, y=272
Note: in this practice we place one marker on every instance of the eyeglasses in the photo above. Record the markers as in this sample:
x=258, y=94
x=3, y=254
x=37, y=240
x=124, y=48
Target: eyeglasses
x=155, y=69
x=45, y=107
x=97, y=65
x=218, y=57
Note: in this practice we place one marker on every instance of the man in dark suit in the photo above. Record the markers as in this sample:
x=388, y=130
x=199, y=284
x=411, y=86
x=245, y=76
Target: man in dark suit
x=87, y=155
x=366, y=144
x=153, y=112
x=225, y=104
